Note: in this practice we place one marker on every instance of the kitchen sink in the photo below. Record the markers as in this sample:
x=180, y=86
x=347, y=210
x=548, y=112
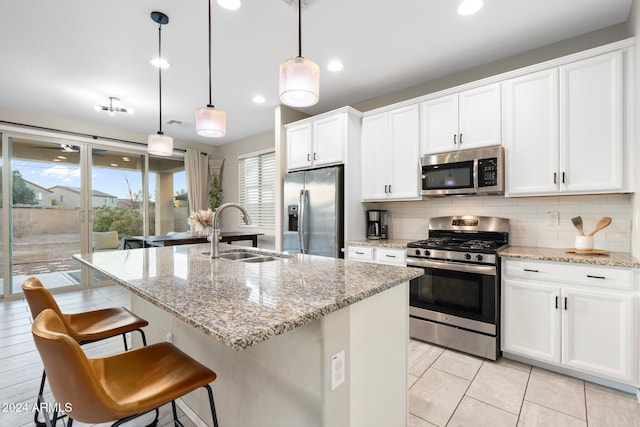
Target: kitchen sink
x=246, y=257
x=238, y=256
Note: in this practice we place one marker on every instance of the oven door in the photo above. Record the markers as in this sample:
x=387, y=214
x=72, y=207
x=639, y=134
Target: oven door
x=462, y=295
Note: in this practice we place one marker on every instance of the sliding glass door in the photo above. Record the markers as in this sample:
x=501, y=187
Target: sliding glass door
x=61, y=197
x=46, y=208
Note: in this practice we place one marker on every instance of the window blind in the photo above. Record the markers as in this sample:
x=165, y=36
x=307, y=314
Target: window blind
x=257, y=176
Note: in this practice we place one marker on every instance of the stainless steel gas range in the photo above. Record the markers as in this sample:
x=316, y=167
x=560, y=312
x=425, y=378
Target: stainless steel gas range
x=456, y=302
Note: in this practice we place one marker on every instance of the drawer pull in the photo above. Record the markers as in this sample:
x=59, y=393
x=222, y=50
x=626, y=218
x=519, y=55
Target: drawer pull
x=531, y=271
x=390, y=256
x=359, y=253
x=596, y=277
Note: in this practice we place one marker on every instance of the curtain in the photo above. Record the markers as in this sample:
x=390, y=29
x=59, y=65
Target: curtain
x=196, y=169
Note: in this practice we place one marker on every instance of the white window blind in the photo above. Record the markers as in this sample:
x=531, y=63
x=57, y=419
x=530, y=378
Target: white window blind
x=257, y=175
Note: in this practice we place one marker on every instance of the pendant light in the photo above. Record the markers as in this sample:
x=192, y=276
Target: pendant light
x=160, y=144
x=299, y=77
x=211, y=122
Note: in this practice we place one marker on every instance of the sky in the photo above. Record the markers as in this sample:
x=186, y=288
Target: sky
x=108, y=180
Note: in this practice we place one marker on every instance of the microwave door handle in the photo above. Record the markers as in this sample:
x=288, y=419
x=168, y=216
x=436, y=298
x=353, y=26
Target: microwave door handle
x=476, y=175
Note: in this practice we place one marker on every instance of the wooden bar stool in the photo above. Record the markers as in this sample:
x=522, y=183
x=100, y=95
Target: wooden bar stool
x=85, y=327
x=119, y=387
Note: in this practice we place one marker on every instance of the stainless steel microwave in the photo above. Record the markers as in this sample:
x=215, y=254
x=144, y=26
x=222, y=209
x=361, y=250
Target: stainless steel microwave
x=464, y=172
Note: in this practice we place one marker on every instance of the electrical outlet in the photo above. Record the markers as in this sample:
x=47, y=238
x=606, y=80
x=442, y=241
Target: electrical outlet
x=553, y=218
x=337, y=370
x=169, y=337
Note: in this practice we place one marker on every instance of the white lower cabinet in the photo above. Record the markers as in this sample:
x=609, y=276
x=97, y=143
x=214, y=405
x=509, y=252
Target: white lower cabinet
x=572, y=316
x=379, y=255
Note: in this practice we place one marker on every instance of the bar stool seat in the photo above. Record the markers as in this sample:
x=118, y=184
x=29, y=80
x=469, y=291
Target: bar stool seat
x=85, y=327
x=118, y=387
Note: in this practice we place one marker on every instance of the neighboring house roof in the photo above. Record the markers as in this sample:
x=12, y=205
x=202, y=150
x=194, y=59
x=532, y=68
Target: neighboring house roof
x=32, y=184
x=95, y=193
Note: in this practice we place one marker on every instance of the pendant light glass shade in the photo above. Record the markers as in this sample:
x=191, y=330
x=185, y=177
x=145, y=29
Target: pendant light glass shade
x=211, y=122
x=160, y=145
x=299, y=82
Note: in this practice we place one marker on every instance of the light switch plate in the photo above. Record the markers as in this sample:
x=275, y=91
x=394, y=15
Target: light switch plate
x=553, y=218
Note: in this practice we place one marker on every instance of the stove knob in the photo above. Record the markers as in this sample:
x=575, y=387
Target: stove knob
x=427, y=253
x=417, y=251
x=479, y=257
x=467, y=256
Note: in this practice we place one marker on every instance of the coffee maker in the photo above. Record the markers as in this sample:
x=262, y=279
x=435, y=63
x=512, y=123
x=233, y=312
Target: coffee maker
x=377, y=227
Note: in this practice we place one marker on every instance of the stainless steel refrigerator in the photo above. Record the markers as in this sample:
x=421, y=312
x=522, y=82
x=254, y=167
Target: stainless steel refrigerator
x=313, y=212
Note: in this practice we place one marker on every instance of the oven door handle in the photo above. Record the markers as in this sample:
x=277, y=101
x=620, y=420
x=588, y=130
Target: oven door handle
x=489, y=270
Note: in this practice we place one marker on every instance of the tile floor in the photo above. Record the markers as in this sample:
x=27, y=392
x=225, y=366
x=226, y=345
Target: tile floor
x=450, y=389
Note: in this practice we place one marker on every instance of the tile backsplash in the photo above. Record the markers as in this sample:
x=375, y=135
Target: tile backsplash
x=527, y=218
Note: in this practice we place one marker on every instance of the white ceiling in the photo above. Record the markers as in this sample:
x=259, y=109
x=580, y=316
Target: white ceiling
x=63, y=57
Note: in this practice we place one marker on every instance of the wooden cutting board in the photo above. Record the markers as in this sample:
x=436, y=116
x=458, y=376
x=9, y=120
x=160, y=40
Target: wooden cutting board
x=587, y=252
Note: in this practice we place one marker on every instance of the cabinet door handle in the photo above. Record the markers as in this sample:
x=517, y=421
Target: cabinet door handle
x=389, y=188
x=460, y=139
x=531, y=271
x=596, y=277
x=385, y=189
x=315, y=156
x=308, y=157
x=563, y=177
x=555, y=177
x=455, y=136
x=556, y=302
x=565, y=303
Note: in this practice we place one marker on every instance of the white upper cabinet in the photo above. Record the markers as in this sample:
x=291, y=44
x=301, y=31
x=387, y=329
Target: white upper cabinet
x=564, y=130
x=317, y=142
x=464, y=120
x=591, y=125
x=390, y=155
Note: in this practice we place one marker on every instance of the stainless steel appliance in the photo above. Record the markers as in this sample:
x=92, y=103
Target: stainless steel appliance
x=313, y=212
x=456, y=302
x=465, y=172
x=377, y=226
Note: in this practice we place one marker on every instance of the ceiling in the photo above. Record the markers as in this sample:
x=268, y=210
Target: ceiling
x=63, y=57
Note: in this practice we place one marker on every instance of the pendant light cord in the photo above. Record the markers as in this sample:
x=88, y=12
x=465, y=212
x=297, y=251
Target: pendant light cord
x=299, y=28
x=160, y=75
x=210, y=105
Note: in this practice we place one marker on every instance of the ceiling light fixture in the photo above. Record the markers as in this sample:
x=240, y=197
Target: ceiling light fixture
x=211, y=122
x=160, y=144
x=469, y=7
x=335, y=66
x=230, y=4
x=299, y=77
x=113, y=107
x=259, y=99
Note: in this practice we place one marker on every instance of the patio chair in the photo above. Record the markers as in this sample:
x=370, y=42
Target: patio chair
x=105, y=241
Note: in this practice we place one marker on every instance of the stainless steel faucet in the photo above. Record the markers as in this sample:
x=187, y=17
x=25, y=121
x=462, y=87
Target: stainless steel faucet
x=215, y=235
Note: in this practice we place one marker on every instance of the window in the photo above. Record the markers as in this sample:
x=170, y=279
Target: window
x=257, y=175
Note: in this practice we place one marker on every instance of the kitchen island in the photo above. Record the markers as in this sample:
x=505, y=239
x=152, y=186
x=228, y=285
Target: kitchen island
x=272, y=331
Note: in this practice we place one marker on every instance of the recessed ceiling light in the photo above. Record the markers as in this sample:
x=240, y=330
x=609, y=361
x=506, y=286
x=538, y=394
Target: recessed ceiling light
x=159, y=62
x=335, y=65
x=259, y=99
x=62, y=157
x=57, y=160
x=126, y=159
x=469, y=7
x=113, y=164
x=230, y=4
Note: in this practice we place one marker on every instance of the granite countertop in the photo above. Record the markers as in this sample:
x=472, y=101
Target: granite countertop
x=613, y=259
x=382, y=243
x=241, y=304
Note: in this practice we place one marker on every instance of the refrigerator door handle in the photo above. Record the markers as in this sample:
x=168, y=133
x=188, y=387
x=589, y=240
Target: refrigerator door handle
x=302, y=221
